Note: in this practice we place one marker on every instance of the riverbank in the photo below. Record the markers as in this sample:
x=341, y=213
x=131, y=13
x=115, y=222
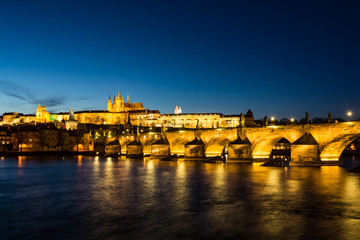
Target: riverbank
x=47, y=153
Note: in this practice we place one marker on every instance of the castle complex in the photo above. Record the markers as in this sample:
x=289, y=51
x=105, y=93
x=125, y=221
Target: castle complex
x=119, y=112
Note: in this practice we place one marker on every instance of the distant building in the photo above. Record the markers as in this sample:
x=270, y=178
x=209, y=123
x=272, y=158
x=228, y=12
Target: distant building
x=17, y=118
x=47, y=137
x=5, y=139
x=202, y=120
x=119, y=112
x=177, y=110
x=42, y=116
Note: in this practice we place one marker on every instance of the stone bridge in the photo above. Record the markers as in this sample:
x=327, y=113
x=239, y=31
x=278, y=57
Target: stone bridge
x=320, y=144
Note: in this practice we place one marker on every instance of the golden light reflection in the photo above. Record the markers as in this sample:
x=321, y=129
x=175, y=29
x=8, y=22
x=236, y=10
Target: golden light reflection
x=96, y=163
x=109, y=172
x=20, y=161
x=274, y=181
x=256, y=166
x=352, y=189
x=332, y=170
x=180, y=184
x=220, y=175
x=79, y=160
x=150, y=178
x=330, y=179
x=149, y=165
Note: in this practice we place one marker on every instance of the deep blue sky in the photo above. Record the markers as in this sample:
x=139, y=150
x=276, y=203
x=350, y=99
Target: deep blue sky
x=278, y=58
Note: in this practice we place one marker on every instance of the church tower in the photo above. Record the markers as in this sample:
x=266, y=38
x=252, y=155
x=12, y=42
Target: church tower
x=42, y=115
x=109, y=104
x=38, y=112
x=118, y=103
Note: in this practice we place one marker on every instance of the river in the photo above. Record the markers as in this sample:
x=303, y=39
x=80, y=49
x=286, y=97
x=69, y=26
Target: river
x=107, y=198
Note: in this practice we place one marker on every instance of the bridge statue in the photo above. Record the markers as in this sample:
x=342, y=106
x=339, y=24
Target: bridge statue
x=307, y=118
x=329, y=117
x=265, y=121
x=242, y=121
x=163, y=130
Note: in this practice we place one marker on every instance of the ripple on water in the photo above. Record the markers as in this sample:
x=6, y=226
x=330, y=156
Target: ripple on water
x=104, y=198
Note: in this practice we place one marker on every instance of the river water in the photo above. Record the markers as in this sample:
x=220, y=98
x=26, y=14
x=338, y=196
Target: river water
x=105, y=198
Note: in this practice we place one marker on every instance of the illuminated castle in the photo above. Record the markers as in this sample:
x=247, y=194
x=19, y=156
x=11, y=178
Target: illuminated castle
x=118, y=105
x=119, y=112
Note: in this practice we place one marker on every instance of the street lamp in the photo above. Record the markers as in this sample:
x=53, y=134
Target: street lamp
x=349, y=114
x=272, y=120
x=292, y=120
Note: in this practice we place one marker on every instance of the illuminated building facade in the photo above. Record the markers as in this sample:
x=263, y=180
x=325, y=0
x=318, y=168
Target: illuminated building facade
x=201, y=120
x=42, y=116
x=119, y=112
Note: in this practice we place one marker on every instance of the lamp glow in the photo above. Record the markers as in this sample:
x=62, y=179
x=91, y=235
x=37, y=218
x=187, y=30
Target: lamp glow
x=349, y=113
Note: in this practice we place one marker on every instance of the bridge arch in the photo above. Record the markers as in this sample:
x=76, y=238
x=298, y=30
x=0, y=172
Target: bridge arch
x=215, y=146
x=263, y=147
x=124, y=141
x=333, y=150
x=177, y=146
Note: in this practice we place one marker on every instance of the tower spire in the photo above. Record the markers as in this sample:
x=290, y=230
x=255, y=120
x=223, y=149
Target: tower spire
x=127, y=98
x=119, y=94
x=110, y=104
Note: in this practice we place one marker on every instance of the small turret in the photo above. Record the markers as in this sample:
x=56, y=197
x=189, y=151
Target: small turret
x=38, y=107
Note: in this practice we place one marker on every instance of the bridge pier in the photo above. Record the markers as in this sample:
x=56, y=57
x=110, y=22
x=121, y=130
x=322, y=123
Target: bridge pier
x=305, y=151
x=160, y=148
x=240, y=150
x=195, y=149
x=134, y=149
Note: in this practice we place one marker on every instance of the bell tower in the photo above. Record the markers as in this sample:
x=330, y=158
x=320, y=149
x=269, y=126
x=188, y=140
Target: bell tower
x=38, y=112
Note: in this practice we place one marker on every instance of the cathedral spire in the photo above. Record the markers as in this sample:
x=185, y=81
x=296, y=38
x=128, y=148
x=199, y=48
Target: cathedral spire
x=127, y=98
x=110, y=104
x=119, y=94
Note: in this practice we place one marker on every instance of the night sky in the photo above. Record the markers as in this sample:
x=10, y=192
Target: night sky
x=278, y=58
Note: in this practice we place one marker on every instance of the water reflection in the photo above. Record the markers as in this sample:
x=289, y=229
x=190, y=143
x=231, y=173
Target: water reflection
x=20, y=161
x=93, y=198
x=79, y=160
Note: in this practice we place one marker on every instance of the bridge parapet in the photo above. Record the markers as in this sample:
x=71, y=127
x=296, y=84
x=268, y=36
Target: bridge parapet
x=331, y=137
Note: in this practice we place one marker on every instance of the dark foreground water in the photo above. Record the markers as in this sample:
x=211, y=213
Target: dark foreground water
x=92, y=198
